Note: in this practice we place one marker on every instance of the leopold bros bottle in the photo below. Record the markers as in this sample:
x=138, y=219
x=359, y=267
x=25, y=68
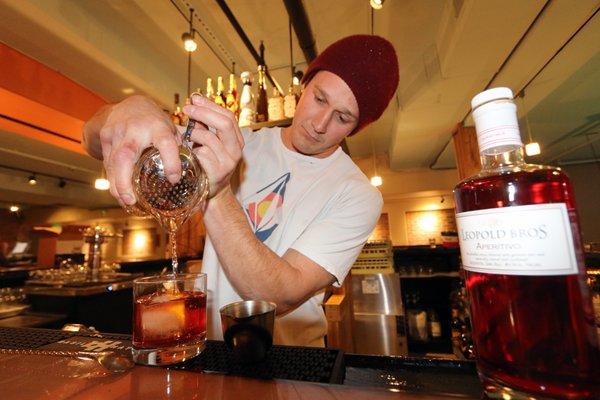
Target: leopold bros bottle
x=533, y=325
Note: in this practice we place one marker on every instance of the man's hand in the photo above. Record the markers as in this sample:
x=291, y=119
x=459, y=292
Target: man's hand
x=124, y=130
x=220, y=153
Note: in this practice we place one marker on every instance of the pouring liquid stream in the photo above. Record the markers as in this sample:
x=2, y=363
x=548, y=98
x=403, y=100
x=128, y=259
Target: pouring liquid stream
x=171, y=204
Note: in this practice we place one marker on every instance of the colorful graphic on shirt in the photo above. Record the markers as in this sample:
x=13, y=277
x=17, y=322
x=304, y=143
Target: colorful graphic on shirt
x=264, y=207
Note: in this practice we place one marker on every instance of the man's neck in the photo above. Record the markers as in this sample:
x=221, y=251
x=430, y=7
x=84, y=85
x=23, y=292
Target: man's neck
x=287, y=142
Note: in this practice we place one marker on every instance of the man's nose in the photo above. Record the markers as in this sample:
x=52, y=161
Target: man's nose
x=321, y=120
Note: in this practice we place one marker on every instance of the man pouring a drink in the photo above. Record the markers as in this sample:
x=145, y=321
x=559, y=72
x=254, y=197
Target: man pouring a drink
x=287, y=210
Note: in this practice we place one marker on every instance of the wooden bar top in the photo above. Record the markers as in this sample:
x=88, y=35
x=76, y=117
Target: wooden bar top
x=52, y=377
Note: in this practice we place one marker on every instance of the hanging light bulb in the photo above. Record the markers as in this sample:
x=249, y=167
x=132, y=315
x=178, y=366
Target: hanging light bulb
x=189, y=44
x=376, y=181
x=32, y=180
x=102, y=183
x=532, y=149
x=14, y=208
x=297, y=77
x=376, y=4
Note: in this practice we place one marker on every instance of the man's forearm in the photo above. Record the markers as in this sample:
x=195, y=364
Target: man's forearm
x=253, y=269
x=91, y=132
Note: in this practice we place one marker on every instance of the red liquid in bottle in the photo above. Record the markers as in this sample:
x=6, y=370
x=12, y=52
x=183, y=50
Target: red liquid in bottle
x=532, y=333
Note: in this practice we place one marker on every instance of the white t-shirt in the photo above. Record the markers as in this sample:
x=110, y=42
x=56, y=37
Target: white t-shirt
x=324, y=208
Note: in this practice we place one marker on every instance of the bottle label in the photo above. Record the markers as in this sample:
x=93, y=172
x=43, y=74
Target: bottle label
x=497, y=125
x=523, y=240
x=436, y=329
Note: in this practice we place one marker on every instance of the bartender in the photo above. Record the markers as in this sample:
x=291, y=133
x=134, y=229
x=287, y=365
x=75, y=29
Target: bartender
x=288, y=211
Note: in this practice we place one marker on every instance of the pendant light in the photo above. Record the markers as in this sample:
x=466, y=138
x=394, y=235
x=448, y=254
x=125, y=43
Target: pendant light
x=102, y=183
x=531, y=148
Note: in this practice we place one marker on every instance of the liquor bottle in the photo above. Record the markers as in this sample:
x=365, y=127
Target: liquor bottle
x=247, y=105
x=276, y=106
x=210, y=91
x=289, y=103
x=416, y=318
x=231, y=101
x=520, y=244
x=456, y=329
x=220, y=97
x=183, y=116
x=176, y=114
x=435, y=327
x=262, y=108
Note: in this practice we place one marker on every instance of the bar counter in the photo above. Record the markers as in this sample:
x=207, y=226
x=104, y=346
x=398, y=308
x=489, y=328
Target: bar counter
x=57, y=377
x=49, y=377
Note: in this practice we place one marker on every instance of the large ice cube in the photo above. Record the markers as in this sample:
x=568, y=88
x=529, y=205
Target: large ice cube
x=165, y=318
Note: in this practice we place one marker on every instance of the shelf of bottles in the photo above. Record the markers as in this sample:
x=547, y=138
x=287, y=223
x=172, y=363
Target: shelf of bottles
x=252, y=107
x=437, y=315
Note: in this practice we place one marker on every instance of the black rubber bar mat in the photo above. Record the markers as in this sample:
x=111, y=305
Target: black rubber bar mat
x=309, y=364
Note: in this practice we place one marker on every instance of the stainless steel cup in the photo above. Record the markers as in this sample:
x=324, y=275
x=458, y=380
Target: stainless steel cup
x=248, y=328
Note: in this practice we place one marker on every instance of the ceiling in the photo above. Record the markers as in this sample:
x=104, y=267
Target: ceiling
x=448, y=51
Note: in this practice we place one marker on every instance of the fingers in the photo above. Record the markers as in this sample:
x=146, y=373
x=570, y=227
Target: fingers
x=120, y=170
x=169, y=153
x=127, y=146
x=222, y=155
x=216, y=161
x=223, y=120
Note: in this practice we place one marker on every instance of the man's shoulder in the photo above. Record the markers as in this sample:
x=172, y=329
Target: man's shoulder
x=354, y=182
x=264, y=133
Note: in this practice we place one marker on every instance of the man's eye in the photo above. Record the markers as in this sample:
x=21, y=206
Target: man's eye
x=342, y=119
x=319, y=99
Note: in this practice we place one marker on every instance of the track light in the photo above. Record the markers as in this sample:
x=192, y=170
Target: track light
x=376, y=4
x=32, y=181
x=443, y=199
x=62, y=183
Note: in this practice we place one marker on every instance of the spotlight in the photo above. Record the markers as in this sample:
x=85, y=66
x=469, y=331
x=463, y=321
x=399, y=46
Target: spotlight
x=442, y=200
x=297, y=77
x=14, y=208
x=188, y=42
x=376, y=4
x=32, y=181
x=62, y=183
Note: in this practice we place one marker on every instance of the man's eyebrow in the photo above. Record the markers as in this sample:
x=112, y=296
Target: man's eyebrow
x=343, y=110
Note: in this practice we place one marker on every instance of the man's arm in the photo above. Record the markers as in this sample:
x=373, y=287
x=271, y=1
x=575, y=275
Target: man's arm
x=253, y=269
x=118, y=133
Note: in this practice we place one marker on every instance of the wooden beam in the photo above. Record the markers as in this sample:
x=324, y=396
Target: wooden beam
x=29, y=78
x=467, y=151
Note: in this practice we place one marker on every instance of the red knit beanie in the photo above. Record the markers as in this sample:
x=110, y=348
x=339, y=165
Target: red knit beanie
x=369, y=66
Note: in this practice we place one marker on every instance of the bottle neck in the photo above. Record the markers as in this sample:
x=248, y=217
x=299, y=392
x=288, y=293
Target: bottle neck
x=502, y=157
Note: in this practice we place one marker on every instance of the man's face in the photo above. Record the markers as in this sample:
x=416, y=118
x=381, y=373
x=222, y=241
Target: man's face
x=326, y=113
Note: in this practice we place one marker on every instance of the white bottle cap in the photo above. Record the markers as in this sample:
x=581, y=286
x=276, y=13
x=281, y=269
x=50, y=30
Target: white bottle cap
x=491, y=95
x=495, y=118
